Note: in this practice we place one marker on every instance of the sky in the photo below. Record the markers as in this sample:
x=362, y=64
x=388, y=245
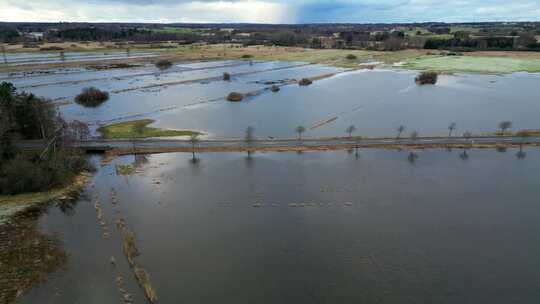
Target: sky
x=269, y=11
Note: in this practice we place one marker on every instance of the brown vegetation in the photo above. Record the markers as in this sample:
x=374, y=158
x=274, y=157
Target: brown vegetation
x=427, y=77
x=91, y=97
x=235, y=97
x=305, y=82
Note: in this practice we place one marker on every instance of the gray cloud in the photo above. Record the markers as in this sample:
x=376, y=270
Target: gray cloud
x=270, y=11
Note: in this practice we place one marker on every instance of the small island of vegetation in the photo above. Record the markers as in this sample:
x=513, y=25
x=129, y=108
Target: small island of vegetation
x=305, y=82
x=427, y=77
x=139, y=129
x=163, y=64
x=91, y=97
x=235, y=97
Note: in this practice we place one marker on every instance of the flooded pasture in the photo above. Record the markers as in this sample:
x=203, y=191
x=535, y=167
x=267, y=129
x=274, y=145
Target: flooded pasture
x=314, y=227
x=192, y=96
x=305, y=228
x=60, y=56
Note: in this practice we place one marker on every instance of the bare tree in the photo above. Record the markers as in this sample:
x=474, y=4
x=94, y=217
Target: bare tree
x=248, y=138
x=193, y=139
x=300, y=130
x=467, y=135
x=504, y=125
x=3, y=49
x=412, y=155
x=350, y=130
x=400, y=130
x=451, y=129
x=524, y=136
x=414, y=136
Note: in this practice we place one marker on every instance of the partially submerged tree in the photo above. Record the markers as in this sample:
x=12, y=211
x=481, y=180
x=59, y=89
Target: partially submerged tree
x=451, y=128
x=91, y=97
x=226, y=76
x=275, y=88
x=163, y=64
x=249, y=138
x=194, y=140
x=412, y=155
x=427, y=77
x=350, y=130
x=305, y=82
x=524, y=135
x=467, y=135
x=414, y=136
x=300, y=130
x=503, y=126
x=235, y=97
x=400, y=130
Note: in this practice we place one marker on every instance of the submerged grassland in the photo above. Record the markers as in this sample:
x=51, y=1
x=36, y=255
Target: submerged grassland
x=475, y=64
x=140, y=129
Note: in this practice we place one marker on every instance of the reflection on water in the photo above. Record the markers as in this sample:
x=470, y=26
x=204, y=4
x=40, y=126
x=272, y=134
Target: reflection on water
x=27, y=255
x=376, y=102
x=309, y=228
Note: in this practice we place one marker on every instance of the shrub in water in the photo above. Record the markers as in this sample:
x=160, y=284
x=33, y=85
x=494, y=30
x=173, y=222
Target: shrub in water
x=235, y=97
x=428, y=77
x=275, y=88
x=91, y=97
x=305, y=82
x=163, y=64
x=226, y=76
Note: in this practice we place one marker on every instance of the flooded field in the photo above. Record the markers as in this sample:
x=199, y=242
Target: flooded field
x=192, y=96
x=304, y=228
x=60, y=56
x=320, y=227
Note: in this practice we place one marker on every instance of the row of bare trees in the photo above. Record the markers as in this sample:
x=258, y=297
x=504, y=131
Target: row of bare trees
x=249, y=137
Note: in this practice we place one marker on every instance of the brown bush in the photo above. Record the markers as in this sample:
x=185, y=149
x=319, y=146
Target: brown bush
x=235, y=97
x=91, y=97
x=427, y=77
x=305, y=82
x=163, y=64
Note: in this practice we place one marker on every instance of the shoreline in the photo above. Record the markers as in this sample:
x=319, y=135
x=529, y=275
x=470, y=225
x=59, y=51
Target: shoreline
x=11, y=205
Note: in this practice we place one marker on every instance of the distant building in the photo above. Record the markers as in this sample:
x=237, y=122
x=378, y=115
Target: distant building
x=38, y=36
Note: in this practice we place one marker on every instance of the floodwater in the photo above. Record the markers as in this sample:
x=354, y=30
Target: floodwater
x=308, y=228
x=376, y=102
x=285, y=227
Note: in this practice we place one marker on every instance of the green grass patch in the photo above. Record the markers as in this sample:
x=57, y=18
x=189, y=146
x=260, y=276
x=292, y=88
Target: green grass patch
x=474, y=64
x=139, y=129
x=125, y=169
